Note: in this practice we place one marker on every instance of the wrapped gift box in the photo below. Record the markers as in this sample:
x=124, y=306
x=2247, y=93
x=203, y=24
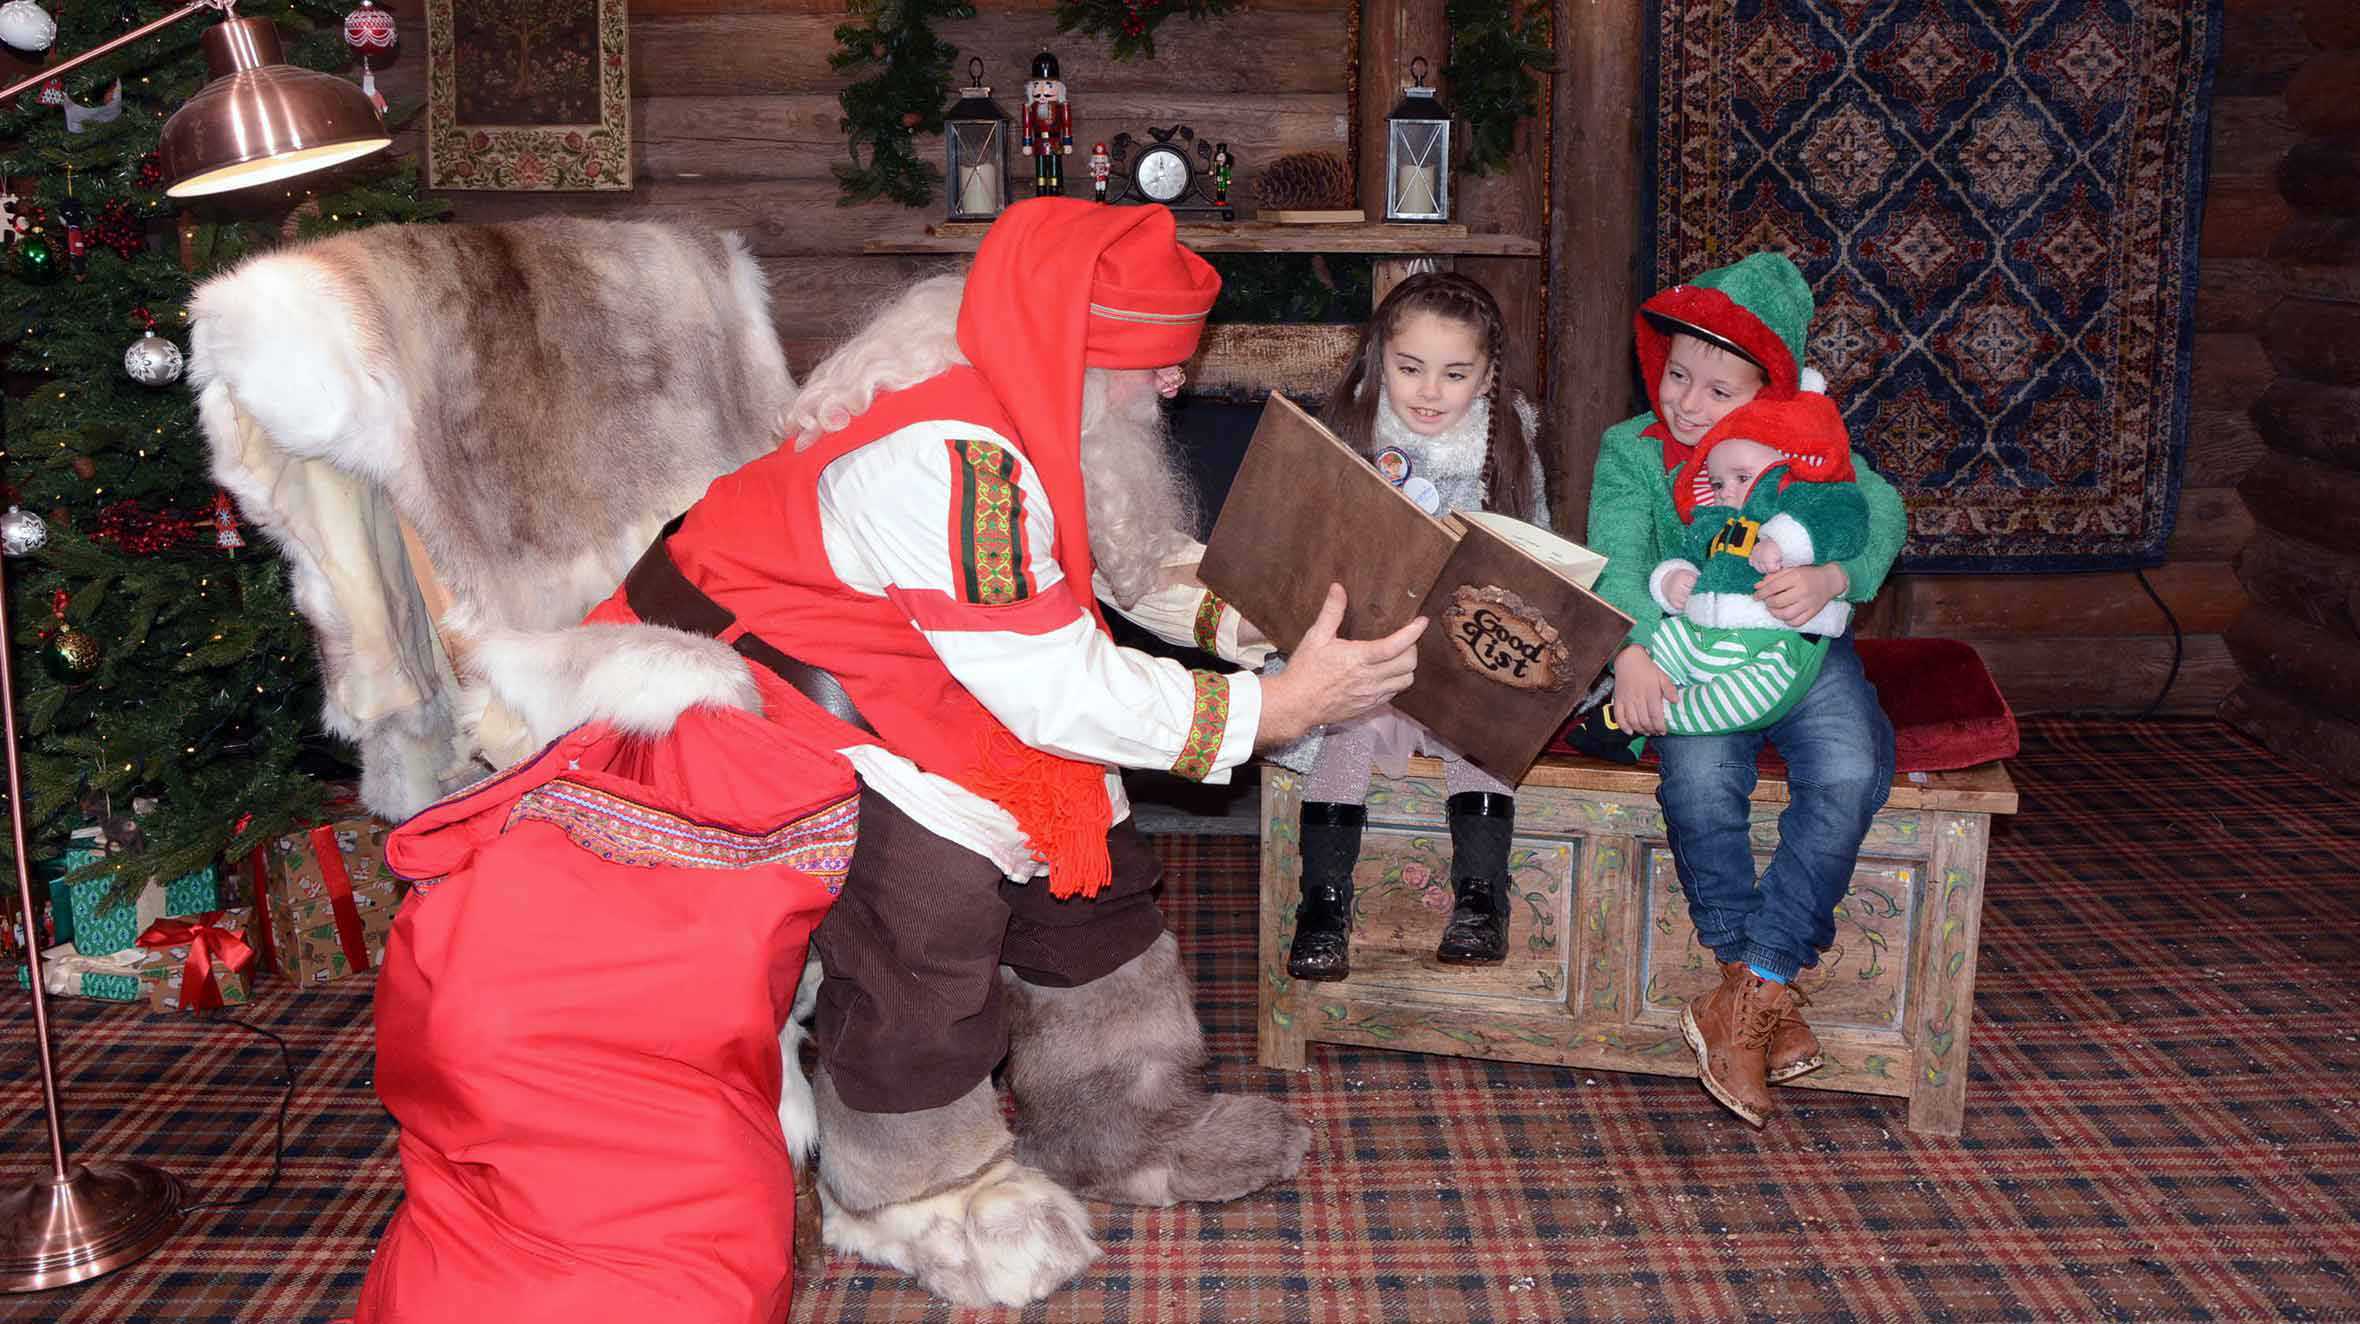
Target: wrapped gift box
x=330, y=899
x=67, y=973
x=231, y=960
x=100, y=917
x=152, y=973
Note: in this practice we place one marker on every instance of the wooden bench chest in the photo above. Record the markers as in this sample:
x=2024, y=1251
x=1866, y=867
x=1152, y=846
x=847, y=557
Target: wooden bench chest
x=1601, y=957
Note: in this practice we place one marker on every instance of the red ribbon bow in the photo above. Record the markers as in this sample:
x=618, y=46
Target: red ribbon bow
x=207, y=942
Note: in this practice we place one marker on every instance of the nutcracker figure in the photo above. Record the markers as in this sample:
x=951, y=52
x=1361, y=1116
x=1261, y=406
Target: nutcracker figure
x=1048, y=126
x=76, y=220
x=12, y=220
x=1101, y=166
x=1221, y=175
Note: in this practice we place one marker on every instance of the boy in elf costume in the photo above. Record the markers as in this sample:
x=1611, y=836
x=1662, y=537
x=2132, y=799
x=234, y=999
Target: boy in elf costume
x=1776, y=477
x=1729, y=336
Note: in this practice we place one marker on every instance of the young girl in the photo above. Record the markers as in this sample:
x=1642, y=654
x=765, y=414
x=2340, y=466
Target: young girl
x=1424, y=403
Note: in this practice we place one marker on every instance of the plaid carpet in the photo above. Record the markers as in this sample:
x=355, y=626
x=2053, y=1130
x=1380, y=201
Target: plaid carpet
x=2164, y=1122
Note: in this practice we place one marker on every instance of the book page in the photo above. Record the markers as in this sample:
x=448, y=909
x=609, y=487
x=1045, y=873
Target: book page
x=1570, y=559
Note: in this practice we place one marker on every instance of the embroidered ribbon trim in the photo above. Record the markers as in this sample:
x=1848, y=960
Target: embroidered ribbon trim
x=625, y=832
x=1207, y=727
x=207, y=943
x=1208, y=621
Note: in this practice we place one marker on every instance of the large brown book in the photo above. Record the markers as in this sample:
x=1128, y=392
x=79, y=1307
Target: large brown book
x=1516, y=637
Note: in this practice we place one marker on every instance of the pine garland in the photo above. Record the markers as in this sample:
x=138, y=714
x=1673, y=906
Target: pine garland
x=1130, y=24
x=1495, y=48
x=905, y=96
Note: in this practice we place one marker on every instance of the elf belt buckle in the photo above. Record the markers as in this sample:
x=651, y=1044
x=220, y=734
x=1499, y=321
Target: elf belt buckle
x=1501, y=637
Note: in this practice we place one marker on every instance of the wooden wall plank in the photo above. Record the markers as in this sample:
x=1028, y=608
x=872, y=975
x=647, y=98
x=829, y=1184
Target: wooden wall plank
x=678, y=8
x=2241, y=220
x=796, y=136
x=738, y=54
x=2204, y=595
x=2312, y=501
x=2228, y=371
x=2307, y=418
x=2316, y=584
x=783, y=218
x=2237, y=294
x=1392, y=32
x=2222, y=445
x=2118, y=675
x=2296, y=657
x=2294, y=730
x=2212, y=524
x=2249, y=135
x=2316, y=339
x=1593, y=240
x=2262, y=44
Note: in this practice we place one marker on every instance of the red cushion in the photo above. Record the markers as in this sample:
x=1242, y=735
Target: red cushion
x=1947, y=711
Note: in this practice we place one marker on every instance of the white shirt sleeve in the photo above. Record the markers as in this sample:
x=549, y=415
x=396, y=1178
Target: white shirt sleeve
x=1190, y=614
x=929, y=517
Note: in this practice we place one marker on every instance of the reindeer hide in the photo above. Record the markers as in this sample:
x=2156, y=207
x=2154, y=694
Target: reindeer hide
x=534, y=399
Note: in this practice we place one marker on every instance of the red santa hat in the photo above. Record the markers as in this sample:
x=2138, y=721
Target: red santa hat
x=1806, y=429
x=1060, y=284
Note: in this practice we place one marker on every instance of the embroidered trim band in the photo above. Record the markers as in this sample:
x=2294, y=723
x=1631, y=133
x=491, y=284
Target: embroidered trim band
x=1208, y=621
x=989, y=514
x=625, y=832
x=1206, y=728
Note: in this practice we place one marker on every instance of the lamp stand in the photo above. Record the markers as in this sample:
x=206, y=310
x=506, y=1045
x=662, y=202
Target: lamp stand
x=82, y=1219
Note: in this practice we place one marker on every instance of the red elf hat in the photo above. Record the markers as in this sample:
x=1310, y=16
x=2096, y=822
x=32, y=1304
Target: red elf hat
x=1806, y=429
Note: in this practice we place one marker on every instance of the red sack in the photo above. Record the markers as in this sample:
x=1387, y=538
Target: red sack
x=577, y=1028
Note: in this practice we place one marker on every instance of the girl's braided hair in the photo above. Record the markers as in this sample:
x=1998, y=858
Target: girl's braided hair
x=1352, y=405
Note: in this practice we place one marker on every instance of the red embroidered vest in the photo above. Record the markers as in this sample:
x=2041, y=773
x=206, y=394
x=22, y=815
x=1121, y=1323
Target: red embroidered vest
x=753, y=544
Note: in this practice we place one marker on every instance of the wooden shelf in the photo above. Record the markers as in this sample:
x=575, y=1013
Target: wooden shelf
x=1263, y=237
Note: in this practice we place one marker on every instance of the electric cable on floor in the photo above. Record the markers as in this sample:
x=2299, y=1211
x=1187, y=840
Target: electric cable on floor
x=278, y=1150
x=2178, y=644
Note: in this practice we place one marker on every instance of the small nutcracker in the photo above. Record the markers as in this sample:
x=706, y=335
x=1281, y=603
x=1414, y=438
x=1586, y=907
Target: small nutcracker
x=71, y=215
x=1221, y=175
x=12, y=221
x=1048, y=126
x=1101, y=166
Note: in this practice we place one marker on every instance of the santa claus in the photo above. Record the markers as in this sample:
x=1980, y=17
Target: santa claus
x=915, y=579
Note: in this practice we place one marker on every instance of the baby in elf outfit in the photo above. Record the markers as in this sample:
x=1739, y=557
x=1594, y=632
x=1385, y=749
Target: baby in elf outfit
x=1776, y=477
x=1731, y=336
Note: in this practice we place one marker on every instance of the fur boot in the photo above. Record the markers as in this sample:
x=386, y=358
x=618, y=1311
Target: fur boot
x=941, y=1196
x=1110, y=1093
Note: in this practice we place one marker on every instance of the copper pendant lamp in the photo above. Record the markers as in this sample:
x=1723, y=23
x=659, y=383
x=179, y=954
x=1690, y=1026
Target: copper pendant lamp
x=257, y=121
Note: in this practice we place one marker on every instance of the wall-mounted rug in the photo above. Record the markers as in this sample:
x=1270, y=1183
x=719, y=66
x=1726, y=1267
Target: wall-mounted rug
x=1997, y=203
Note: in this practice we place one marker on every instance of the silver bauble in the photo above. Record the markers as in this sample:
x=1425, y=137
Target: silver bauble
x=27, y=26
x=22, y=532
x=152, y=361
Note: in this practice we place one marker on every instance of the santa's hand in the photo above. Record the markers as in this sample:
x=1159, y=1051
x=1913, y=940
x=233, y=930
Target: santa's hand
x=1330, y=679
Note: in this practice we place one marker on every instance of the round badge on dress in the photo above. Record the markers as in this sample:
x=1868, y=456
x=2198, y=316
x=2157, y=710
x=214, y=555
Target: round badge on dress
x=1393, y=462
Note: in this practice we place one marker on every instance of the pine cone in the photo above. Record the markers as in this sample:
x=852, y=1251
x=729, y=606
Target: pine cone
x=1304, y=181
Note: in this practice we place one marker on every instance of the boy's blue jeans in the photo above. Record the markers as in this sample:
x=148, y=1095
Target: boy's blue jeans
x=1838, y=749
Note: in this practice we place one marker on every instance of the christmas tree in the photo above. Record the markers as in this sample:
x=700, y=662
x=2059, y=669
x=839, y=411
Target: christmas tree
x=158, y=653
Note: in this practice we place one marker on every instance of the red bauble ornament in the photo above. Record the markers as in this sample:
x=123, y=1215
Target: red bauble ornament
x=369, y=31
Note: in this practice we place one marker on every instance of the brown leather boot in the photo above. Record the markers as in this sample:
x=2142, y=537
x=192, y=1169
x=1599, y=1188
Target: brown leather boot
x=1794, y=1050
x=1729, y=1030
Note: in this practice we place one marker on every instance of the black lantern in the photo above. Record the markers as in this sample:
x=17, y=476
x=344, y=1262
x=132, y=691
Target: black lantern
x=1417, y=153
x=975, y=134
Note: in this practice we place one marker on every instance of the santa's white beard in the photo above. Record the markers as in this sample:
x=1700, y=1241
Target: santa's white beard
x=1142, y=507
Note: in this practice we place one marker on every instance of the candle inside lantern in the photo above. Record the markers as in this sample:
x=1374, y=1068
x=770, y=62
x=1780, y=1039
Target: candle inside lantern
x=979, y=189
x=1414, y=191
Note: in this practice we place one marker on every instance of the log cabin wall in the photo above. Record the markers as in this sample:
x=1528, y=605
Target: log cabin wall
x=734, y=126
x=2290, y=316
